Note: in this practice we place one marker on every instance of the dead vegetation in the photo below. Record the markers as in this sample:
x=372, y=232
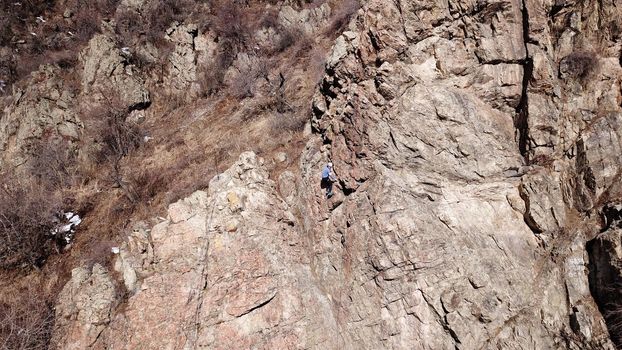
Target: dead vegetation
x=26, y=320
x=150, y=25
x=26, y=219
x=48, y=31
x=579, y=65
x=113, y=143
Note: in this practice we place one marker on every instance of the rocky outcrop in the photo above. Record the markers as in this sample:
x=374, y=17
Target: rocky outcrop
x=605, y=254
x=108, y=74
x=182, y=69
x=226, y=269
x=85, y=308
x=430, y=121
x=36, y=114
x=475, y=144
x=306, y=20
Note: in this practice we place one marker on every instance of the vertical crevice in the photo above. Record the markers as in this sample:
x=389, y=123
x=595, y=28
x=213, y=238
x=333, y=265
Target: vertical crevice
x=521, y=121
x=605, y=280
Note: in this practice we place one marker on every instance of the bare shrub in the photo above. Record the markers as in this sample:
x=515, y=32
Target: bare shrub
x=213, y=76
x=18, y=14
x=117, y=135
x=52, y=163
x=270, y=19
x=119, y=138
x=230, y=23
x=112, y=137
x=56, y=36
x=8, y=73
x=244, y=83
x=129, y=24
x=26, y=219
x=26, y=321
x=578, y=65
x=161, y=15
x=85, y=25
x=87, y=17
x=288, y=37
x=287, y=122
x=151, y=24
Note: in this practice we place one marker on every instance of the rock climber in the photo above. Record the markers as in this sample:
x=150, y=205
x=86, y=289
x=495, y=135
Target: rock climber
x=328, y=177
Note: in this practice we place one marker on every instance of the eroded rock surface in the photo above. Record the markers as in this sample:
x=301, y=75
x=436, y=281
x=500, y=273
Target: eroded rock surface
x=107, y=74
x=475, y=145
x=39, y=112
x=226, y=269
x=85, y=308
x=453, y=206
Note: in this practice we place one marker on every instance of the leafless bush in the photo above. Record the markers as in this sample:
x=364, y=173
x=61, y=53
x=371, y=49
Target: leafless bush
x=85, y=25
x=26, y=219
x=286, y=122
x=129, y=24
x=151, y=24
x=213, y=76
x=119, y=138
x=26, y=321
x=161, y=15
x=270, y=19
x=8, y=73
x=112, y=137
x=52, y=163
x=578, y=65
x=244, y=83
x=289, y=37
x=230, y=23
x=51, y=38
x=16, y=14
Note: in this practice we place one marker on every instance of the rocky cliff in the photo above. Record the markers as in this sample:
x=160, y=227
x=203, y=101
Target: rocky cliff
x=477, y=147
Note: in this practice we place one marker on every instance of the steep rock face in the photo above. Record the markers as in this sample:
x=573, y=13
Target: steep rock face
x=224, y=270
x=183, y=60
x=52, y=109
x=605, y=253
x=442, y=237
x=474, y=143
